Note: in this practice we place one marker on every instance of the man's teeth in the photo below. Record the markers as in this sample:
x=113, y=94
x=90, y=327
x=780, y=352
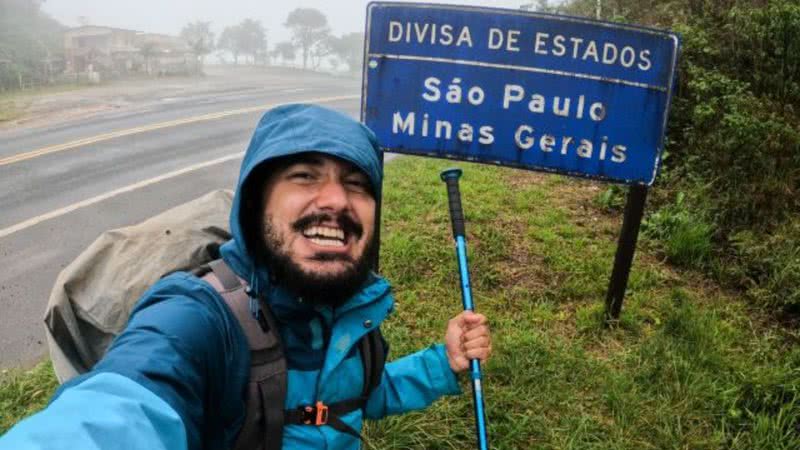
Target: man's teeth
x=328, y=234
x=327, y=242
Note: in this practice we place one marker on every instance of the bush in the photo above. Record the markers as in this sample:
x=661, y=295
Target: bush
x=771, y=265
x=612, y=198
x=685, y=236
x=734, y=146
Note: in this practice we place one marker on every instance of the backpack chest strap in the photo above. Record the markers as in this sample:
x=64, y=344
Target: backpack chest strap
x=265, y=416
x=321, y=414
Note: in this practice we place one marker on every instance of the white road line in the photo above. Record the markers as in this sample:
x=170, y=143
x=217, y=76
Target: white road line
x=131, y=187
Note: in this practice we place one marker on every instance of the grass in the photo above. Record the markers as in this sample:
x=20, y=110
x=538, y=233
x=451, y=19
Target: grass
x=14, y=104
x=10, y=109
x=688, y=366
x=24, y=392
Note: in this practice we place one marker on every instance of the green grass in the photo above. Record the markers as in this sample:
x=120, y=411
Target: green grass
x=688, y=366
x=14, y=104
x=9, y=110
x=24, y=392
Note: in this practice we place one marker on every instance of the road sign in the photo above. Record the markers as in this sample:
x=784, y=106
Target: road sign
x=515, y=88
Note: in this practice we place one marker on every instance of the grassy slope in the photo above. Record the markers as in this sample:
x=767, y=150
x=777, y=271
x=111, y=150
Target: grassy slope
x=14, y=104
x=688, y=366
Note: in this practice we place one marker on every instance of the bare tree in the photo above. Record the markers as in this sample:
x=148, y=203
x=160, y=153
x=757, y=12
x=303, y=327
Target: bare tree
x=320, y=50
x=247, y=38
x=228, y=41
x=252, y=38
x=284, y=50
x=350, y=49
x=201, y=40
x=309, y=26
x=148, y=49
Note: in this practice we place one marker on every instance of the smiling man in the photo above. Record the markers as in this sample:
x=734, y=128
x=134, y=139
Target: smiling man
x=277, y=344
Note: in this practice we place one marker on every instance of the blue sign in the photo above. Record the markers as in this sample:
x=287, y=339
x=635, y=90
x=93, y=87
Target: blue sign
x=515, y=88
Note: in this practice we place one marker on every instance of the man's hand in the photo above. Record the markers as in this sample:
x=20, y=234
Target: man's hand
x=467, y=337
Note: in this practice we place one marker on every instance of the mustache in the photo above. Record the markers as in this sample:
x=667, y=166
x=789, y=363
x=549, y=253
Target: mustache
x=344, y=221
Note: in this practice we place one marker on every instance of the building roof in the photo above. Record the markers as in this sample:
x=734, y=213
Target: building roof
x=100, y=28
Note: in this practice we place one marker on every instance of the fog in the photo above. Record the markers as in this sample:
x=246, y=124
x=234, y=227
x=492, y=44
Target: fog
x=168, y=17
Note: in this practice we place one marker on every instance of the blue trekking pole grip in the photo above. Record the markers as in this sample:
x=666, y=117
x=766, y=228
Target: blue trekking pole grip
x=450, y=177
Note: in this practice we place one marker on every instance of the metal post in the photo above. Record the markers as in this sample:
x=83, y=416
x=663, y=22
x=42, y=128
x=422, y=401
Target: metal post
x=634, y=210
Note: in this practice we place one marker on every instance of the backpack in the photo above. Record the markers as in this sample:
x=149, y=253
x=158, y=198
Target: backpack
x=94, y=295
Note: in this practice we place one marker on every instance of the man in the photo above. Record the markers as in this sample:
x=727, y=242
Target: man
x=303, y=224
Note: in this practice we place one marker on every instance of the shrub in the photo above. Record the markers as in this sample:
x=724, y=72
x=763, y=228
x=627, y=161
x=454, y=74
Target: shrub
x=685, y=236
x=771, y=265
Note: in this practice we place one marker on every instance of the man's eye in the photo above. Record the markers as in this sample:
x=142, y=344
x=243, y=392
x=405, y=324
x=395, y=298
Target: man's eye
x=301, y=176
x=359, y=184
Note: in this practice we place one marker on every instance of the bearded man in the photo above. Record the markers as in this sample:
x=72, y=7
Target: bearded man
x=277, y=346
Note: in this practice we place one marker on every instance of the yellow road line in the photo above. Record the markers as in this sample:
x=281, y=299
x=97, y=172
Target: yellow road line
x=156, y=126
x=99, y=198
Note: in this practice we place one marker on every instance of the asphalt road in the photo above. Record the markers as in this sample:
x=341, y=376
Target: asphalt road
x=61, y=185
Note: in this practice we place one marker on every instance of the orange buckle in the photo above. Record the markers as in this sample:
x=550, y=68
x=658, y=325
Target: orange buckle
x=322, y=414
x=315, y=415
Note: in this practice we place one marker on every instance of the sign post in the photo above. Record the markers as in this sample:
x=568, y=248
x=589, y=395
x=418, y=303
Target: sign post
x=634, y=211
x=521, y=89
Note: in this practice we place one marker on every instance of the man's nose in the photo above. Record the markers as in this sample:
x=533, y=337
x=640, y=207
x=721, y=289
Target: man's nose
x=332, y=195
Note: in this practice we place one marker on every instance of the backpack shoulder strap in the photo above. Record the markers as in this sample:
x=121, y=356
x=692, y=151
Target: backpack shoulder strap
x=373, y=359
x=265, y=415
x=266, y=389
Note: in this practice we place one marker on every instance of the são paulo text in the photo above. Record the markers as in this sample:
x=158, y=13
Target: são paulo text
x=513, y=93
x=525, y=137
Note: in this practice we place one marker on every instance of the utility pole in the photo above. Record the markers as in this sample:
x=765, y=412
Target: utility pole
x=599, y=9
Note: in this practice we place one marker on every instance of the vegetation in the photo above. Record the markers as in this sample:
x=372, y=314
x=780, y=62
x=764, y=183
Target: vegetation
x=30, y=43
x=200, y=38
x=247, y=38
x=309, y=29
x=688, y=366
x=350, y=48
x=24, y=392
x=728, y=197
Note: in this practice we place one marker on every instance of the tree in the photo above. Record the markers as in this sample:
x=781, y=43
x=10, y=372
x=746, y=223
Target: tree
x=350, y=49
x=200, y=39
x=320, y=50
x=284, y=50
x=247, y=38
x=252, y=38
x=148, y=49
x=29, y=42
x=229, y=41
x=309, y=27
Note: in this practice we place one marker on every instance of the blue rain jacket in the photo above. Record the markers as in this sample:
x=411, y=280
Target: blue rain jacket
x=175, y=377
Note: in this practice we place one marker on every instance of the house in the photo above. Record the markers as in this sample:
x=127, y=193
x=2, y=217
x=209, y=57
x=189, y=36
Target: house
x=166, y=55
x=92, y=48
x=113, y=51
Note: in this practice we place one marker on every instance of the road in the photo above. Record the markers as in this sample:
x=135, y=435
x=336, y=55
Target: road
x=62, y=184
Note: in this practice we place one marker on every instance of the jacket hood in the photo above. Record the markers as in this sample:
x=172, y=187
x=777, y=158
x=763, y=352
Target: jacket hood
x=289, y=130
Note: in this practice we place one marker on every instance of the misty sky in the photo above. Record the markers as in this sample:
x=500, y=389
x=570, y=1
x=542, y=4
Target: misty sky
x=169, y=16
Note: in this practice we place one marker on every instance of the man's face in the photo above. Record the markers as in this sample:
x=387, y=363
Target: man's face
x=319, y=216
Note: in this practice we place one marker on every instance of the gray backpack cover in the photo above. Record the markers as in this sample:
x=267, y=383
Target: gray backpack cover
x=94, y=295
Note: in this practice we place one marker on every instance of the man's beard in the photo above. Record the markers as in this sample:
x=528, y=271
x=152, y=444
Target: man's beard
x=330, y=289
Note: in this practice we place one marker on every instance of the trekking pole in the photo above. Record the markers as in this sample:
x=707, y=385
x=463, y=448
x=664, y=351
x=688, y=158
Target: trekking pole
x=450, y=177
